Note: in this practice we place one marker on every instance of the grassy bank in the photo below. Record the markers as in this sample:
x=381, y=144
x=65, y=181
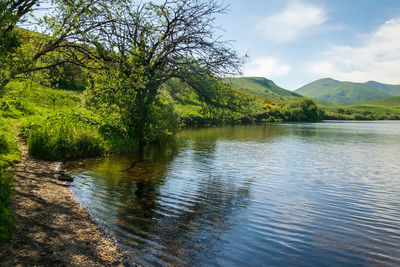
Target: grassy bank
x=6, y=214
x=9, y=154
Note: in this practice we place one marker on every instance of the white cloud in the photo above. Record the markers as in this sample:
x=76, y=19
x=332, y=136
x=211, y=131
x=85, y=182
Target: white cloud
x=268, y=67
x=377, y=57
x=299, y=18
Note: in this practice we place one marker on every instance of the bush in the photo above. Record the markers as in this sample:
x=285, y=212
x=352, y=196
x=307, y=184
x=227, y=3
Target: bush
x=163, y=120
x=6, y=214
x=302, y=109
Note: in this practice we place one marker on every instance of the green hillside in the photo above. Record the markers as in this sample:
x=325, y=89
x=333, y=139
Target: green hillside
x=393, y=90
x=393, y=102
x=331, y=90
x=383, y=105
x=382, y=109
x=262, y=87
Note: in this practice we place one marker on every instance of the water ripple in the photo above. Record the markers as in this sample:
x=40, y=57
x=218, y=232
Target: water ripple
x=277, y=195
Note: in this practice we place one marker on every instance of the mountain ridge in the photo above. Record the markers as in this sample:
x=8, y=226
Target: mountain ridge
x=391, y=89
x=331, y=90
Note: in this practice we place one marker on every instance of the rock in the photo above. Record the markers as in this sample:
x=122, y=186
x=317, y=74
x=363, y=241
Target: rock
x=62, y=175
x=65, y=176
x=58, y=167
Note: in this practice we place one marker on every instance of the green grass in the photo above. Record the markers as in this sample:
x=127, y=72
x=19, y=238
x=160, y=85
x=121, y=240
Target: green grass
x=54, y=122
x=9, y=154
x=330, y=90
x=24, y=98
x=62, y=136
x=262, y=87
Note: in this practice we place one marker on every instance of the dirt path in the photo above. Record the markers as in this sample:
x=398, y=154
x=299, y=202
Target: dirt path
x=51, y=228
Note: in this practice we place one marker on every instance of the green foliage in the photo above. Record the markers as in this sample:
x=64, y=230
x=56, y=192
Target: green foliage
x=9, y=40
x=65, y=76
x=210, y=101
x=113, y=96
x=162, y=118
x=6, y=213
x=19, y=60
x=233, y=108
x=302, y=109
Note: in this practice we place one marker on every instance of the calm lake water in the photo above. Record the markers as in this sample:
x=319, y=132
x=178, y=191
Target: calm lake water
x=267, y=195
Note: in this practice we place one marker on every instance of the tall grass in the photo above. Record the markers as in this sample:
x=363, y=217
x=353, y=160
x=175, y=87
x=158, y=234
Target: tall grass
x=61, y=136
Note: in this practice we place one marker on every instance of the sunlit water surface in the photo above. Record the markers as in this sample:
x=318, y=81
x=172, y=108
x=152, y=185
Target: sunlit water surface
x=281, y=194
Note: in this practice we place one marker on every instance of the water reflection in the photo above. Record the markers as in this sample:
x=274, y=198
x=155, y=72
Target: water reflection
x=275, y=194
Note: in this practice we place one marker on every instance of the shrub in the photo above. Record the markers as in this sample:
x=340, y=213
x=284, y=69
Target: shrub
x=302, y=109
x=394, y=117
x=163, y=119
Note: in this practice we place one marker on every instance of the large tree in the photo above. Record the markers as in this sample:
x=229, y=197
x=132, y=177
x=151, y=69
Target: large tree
x=144, y=44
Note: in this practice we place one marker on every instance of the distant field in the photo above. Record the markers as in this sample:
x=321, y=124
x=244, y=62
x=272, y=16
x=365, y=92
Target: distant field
x=384, y=105
x=393, y=102
x=388, y=106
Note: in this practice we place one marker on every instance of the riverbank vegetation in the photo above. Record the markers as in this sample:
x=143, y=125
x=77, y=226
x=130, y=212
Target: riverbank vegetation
x=9, y=154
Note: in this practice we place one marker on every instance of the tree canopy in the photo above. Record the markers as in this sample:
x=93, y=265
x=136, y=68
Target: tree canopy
x=142, y=45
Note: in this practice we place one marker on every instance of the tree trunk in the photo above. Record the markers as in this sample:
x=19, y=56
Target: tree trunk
x=144, y=100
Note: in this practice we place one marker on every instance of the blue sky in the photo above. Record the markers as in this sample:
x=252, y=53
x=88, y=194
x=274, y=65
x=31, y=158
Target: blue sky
x=294, y=42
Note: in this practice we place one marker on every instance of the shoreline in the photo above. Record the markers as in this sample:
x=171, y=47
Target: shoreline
x=51, y=227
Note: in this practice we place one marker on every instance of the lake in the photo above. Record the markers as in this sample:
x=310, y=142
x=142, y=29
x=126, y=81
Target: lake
x=305, y=194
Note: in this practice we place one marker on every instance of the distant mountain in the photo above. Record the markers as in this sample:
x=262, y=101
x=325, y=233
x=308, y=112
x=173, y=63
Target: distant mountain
x=261, y=87
x=393, y=90
x=341, y=92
